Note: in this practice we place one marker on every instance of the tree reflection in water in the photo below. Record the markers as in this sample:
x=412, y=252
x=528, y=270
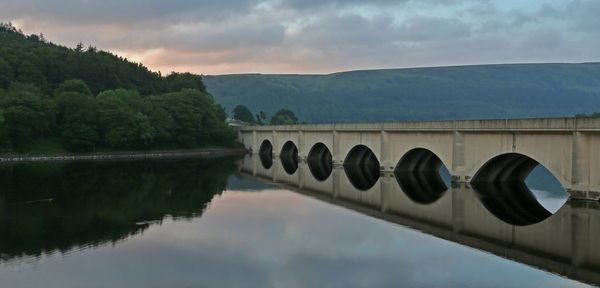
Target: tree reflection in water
x=58, y=207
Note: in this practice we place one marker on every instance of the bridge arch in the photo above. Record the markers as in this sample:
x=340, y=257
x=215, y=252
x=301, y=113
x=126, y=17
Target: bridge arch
x=265, y=154
x=362, y=167
x=422, y=176
x=505, y=167
x=502, y=189
x=320, y=161
x=289, y=157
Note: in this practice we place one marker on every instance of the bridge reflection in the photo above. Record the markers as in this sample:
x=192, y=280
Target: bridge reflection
x=505, y=220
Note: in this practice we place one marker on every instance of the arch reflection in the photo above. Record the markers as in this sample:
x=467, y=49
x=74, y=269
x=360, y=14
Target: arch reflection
x=501, y=186
x=362, y=167
x=289, y=157
x=418, y=173
x=320, y=162
x=265, y=153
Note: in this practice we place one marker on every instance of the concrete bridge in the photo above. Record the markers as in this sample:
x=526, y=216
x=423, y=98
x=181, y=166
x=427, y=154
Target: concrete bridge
x=484, y=219
x=480, y=152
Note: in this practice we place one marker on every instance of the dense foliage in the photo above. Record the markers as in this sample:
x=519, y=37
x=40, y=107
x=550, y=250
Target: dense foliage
x=242, y=113
x=284, y=117
x=591, y=115
x=85, y=99
x=281, y=117
x=467, y=92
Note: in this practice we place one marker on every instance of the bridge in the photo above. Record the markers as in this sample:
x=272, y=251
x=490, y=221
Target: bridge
x=500, y=153
x=484, y=219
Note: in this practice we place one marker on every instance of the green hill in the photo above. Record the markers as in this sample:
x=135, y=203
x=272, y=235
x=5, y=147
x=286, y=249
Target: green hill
x=460, y=92
x=54, y=98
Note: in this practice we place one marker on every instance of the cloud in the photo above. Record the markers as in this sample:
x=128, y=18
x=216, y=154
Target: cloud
x=275, y=36
x=125, y=11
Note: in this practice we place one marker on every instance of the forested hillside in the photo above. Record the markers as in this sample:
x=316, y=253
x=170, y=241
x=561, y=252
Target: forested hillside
x=54, y=98
x=467, y=92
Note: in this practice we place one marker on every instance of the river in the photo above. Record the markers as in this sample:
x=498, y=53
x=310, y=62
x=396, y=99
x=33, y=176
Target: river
x=215, y=223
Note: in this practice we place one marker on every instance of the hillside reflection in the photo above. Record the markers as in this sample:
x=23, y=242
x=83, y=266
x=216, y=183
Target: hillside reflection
x=46, y=208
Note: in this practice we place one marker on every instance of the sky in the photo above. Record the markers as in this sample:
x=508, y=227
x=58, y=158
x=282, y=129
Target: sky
x=317, y=36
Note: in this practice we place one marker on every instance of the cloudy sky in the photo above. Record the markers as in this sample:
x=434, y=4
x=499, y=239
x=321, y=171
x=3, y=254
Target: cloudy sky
x=318, y=36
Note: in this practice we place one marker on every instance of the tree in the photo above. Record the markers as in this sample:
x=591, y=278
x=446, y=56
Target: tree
x=188, y=118
x=221, y=114
x=178, y=81
x=76, y=115
x=79, y=48
x=121, y=124
x=29, y=73
x=71, y=96
x=591, y=115
x=6, y=73
x=183, y=112
x=74, y=85
x=27, y=113
x=261, y=117
x=79, y=136
x=284, y=117
x=242, y=113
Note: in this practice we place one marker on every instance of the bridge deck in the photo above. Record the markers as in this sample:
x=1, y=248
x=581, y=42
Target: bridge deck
x=531, y=124
x=568, y=147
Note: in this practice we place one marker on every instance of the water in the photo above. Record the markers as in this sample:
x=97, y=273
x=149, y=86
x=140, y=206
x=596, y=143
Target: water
x=210, y=223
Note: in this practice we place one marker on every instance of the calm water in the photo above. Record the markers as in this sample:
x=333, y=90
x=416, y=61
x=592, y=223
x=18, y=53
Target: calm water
x=199, y=223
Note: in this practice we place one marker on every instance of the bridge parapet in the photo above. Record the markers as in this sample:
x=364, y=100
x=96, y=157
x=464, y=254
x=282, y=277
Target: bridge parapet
x=529, y=124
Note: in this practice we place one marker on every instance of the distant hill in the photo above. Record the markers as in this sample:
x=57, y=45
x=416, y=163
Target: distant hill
x=459, y=92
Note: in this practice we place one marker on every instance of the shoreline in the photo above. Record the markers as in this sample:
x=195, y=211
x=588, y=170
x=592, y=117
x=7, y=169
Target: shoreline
x=124, y=155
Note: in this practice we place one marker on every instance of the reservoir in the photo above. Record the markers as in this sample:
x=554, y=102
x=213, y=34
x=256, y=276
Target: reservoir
x=235, y=223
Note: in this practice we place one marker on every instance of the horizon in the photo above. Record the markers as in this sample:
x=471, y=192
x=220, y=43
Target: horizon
x=318, y=37
x=408, y=68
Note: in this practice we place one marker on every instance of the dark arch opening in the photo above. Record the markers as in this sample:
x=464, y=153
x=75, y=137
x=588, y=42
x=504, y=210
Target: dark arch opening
x=320, y=162
x=419, y=174
x=503, y=190
x=362, y=167
x=289, y=157
x=265, y=153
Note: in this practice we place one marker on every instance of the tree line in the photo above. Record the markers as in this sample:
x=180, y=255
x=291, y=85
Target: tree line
x=281, y=117
x=85, y=100
x=114, y=119
x=591, y=115
x=33, y=59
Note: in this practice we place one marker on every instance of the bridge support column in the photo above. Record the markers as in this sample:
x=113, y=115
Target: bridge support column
x=275, y=145
x=337, y=159
x=302, y=167
x=337, y=181
x=582, y=242
x=458, y=158
x=387, y=181
x=302, y=149
x=581, y=186
x=254, y=145
x=459, y=194
x=386, y=153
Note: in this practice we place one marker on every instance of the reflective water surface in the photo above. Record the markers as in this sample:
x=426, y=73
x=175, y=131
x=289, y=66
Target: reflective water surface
x=218, y=223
